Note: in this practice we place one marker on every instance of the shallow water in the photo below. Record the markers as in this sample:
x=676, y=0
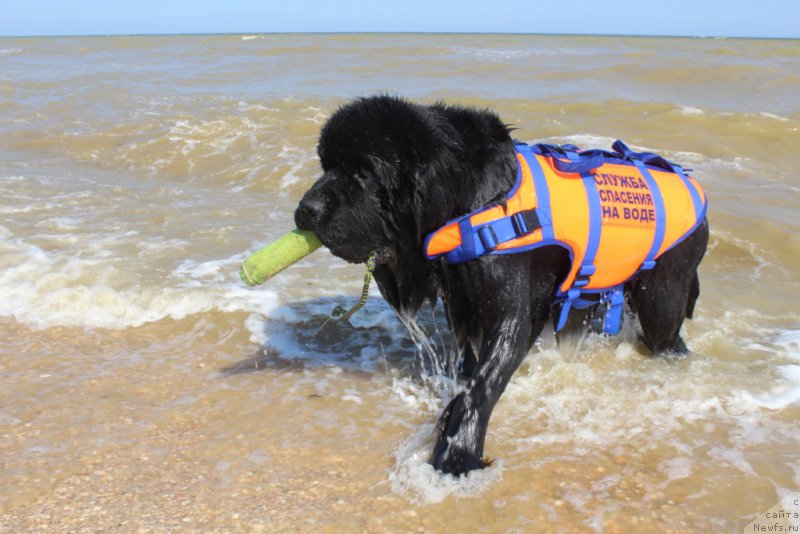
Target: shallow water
x=146, y=387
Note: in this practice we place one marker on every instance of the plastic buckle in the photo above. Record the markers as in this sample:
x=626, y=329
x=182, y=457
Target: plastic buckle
x=488, y=238
x=582, y=280
x=647, y=265
x=525, y=222
x=518, y=222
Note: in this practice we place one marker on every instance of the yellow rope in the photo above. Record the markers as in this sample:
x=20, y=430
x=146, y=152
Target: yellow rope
x=342, y=314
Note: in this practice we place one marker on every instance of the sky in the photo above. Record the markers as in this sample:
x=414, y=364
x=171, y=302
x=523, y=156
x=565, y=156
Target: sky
x=703, y=18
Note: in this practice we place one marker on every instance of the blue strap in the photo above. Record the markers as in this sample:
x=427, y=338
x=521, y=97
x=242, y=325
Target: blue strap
x=696, y=201
x=573, y=300
x=495, y=232
x=578, y=167
x=595, y=228
x=661, y=222
x=572, y=297
x=615, y=297
x=579, y=162
x=542, y=192
x=647, y=157
x=484, y=238
x=468, y=248
x=571, y=152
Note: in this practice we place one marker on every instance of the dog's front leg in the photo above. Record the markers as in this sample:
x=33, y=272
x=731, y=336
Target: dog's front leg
x=462, y=425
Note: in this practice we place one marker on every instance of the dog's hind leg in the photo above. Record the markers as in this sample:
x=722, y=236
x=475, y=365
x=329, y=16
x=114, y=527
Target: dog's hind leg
x=661, y=312
x=664, y=296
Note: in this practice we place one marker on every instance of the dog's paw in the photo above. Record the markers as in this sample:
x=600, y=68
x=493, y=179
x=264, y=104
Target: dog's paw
x=455, y=460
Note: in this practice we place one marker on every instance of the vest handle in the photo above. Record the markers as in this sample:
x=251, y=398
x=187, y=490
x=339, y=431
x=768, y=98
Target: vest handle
x=647, y=158
x=580, y=162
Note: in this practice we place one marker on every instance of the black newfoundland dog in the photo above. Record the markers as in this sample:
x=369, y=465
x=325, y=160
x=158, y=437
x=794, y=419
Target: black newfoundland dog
x=394, y=171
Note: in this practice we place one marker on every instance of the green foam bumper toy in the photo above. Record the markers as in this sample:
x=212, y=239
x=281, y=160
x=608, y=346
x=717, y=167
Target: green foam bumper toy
x=277, y=256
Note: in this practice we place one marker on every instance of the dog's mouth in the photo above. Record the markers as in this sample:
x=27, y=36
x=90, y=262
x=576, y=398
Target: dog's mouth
x=350, y=248
x=358, y=253
x=344, y=249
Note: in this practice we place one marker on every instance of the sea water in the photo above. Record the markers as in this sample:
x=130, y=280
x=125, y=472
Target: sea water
x=145, y=387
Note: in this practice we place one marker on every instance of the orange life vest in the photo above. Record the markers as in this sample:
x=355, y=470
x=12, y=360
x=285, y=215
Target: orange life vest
x=615, y=212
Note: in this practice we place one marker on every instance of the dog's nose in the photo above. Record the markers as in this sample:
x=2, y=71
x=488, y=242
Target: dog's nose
x=309, y=212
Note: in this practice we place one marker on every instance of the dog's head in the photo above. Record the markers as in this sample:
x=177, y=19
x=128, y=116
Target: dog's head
x=373, y=152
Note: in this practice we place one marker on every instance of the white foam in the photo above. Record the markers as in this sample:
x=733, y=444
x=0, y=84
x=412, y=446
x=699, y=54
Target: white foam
x=586, y=141
x=208, y=271
x=789, y=341
x=61, y=223
x=296, y=158
x=219, y=135
x=676, y=468
x=639, y=397
x=415, y=478
x=734, y=457
x=783, y=395
x=51, y=288
x=751, y=248
x=781, y=345
x=352, y=395
x=246, y=106
x=690, y=110
x=21, y=209
x=772, y=116
x=416, y=394
x=490, y=54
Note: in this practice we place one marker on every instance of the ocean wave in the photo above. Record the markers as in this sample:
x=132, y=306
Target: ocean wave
x=691, y=110
x=782, y=395
x=490, y=54
x=242, y=143
x=42, y=289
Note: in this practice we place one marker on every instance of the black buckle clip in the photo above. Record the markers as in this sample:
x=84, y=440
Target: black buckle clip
x=488, y=238
x=525, y=222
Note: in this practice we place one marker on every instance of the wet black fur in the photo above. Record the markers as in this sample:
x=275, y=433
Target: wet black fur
x=394, y=171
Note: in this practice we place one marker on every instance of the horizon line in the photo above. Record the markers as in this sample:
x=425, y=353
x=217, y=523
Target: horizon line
x=397, y=32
